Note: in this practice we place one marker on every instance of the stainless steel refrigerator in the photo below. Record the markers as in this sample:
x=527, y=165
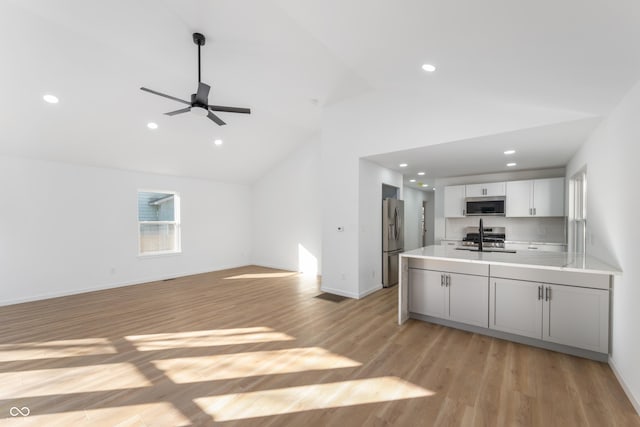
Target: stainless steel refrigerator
x=392, y=239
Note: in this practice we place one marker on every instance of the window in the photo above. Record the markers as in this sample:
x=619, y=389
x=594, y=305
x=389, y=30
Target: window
x=578, y=218
x=158, y=222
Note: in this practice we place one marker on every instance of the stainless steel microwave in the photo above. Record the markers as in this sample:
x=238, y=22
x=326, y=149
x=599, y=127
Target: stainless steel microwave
x=485, y=206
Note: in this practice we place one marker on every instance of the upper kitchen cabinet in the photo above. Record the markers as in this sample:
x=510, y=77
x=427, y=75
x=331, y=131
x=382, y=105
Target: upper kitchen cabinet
x=487, y=189
x=454, y=203
x=538, y=197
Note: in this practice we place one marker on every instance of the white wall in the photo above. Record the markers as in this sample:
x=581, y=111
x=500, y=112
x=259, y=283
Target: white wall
x=611, y=156
x=371, y=178
x=413, y=199
x=286, y=215
x=69, y=229
x=381, y=122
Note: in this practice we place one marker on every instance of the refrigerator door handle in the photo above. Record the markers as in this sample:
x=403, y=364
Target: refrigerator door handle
x=395, y=224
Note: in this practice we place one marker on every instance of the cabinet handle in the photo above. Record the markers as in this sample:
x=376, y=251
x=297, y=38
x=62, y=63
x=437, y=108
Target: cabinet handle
x=447, y=280
x=540, y=292
x=534, y=211
x=547, y=293
x=441, y=280
x=530, y=211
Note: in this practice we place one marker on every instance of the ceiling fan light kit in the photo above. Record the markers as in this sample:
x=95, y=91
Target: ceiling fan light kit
x=199, y=104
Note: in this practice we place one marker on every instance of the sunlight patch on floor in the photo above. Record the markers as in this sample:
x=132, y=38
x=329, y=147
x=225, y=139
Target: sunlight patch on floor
x=55, y=349
x=130, y=415
x=304, y=398
x=45, y=382
x=212, y=338
x=262, y=275
x=240, y=365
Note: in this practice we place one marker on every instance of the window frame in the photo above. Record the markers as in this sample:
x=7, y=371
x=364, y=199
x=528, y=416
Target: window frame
x=578, y=211
x=176, y=223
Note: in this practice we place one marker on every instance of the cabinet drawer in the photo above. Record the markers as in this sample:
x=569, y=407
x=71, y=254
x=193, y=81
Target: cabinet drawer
x=450, y=266
x=571, y=278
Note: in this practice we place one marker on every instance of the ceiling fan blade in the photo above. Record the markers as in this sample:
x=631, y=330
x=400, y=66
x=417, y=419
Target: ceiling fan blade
x=230, y=109
x=165, y=96
x=173, y=113
x=203, y=93
x=216, y=119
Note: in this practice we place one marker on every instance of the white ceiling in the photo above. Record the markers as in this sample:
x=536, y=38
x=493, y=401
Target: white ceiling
x=537, y=148
x=279, y=56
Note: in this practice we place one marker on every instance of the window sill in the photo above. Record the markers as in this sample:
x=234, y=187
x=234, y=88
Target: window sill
x=159, y=254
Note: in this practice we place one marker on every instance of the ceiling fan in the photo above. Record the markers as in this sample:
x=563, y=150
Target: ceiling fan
x=200, y=100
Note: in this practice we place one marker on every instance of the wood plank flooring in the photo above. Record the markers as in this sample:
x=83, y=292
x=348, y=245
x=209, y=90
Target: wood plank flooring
x=253, y=347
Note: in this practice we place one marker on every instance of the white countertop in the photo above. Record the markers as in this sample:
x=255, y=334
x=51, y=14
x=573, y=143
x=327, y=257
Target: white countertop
x=561, y=261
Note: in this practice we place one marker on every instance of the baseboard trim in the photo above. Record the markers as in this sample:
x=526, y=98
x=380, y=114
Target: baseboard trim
x=587, y=354
x=369, y=292
x=623, y=384
x=140, y=281
x=339, y=292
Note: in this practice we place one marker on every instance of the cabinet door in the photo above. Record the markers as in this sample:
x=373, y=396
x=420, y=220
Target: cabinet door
x=548, y=197
x=515, y=306
x=519, y=198
x=426, y=293
x=454, y=204
x=486, y=189
x=474, y=190
x=495, y=189
x=469, y=299
x=578, y=317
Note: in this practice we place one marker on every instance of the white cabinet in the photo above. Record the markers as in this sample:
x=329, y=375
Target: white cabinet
x=578, y=317
x=515, y=307
x=459, y=297
x=538, y=197
x=485, y=190
x=548, y=197
x=426, y=293
x=468, y=299
x=569, y=315
x=518, y=198
x=454, y=203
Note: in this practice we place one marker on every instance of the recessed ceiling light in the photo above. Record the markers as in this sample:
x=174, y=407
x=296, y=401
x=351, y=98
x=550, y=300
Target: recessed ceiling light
x=412, y=180
x=152, y=125
x=425, y=185
x=428, y=68
x=511, y=164
x=218, y=142
x=420, y=173
x=509, y=152
x=403, y=165
x=51, y=99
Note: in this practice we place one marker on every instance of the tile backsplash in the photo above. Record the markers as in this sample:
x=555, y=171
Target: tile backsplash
x=542, y=229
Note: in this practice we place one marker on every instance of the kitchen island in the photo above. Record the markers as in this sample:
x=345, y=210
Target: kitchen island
x=555, y=300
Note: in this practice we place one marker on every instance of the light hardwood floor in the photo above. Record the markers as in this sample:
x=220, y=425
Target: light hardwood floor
x=253, y=347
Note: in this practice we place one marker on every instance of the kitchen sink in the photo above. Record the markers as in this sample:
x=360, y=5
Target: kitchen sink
x=507, y=251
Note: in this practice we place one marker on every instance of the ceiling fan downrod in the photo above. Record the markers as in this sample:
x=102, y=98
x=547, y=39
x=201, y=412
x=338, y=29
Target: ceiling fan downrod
x=200, y=40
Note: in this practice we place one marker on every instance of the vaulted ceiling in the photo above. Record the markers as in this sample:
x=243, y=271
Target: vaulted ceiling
x=288, y=60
